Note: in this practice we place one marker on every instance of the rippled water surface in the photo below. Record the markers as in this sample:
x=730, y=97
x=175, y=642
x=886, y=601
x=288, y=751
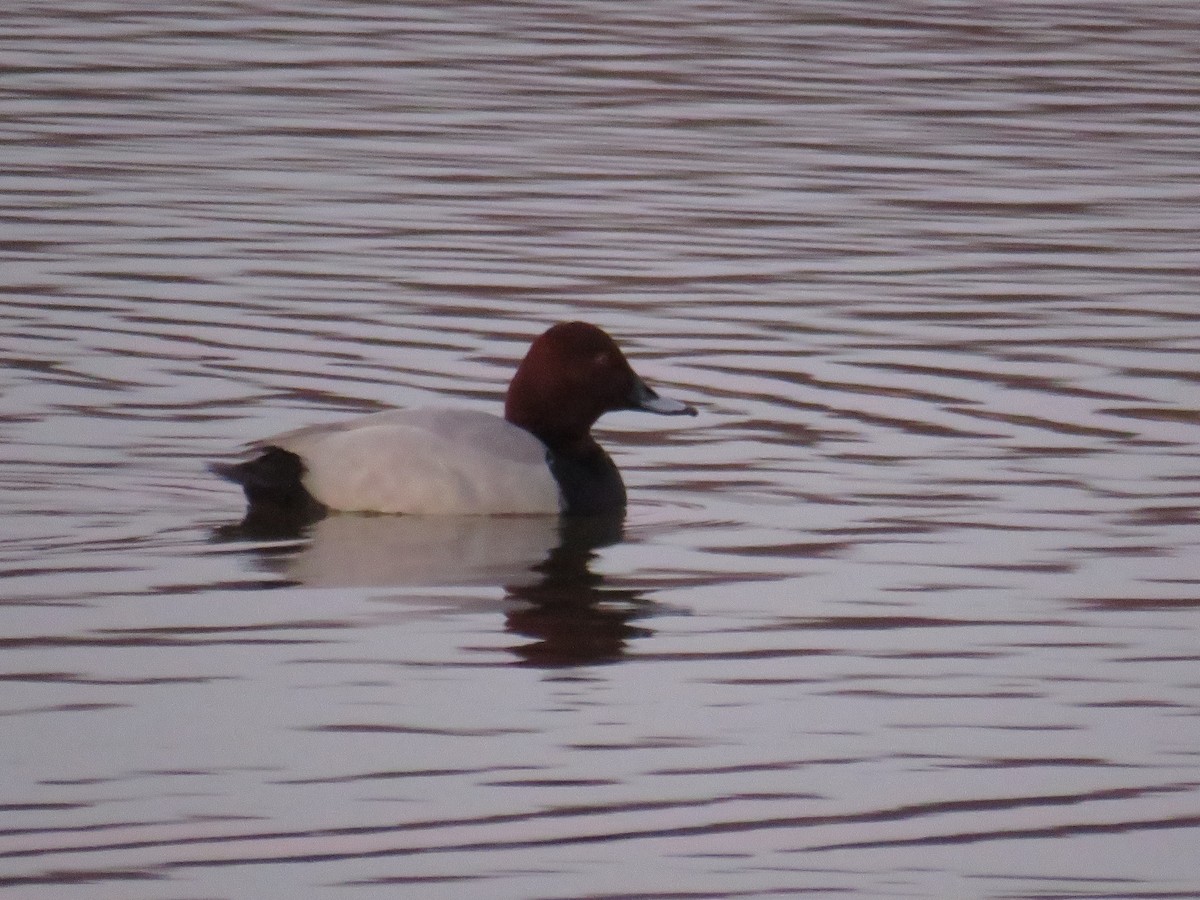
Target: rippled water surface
x=909, y=610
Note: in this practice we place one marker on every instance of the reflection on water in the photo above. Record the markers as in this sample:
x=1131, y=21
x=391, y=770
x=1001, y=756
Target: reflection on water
x=551, y=596
x=371, y=550
x=570, y=616
x=908, y=610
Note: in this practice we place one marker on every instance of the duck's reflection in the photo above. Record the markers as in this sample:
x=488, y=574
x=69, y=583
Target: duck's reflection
x=349, y=550
x=571, y=616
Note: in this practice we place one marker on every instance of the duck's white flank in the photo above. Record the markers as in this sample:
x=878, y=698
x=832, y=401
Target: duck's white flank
x=423, y=461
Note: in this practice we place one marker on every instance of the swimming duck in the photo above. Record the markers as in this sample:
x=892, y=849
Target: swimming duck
x=540, y=458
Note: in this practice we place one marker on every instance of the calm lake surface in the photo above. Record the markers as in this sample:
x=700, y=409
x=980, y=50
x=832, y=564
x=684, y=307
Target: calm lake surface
x=911, y=609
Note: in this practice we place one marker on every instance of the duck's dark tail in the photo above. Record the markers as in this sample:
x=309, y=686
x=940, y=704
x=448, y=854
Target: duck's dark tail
x=273, y=486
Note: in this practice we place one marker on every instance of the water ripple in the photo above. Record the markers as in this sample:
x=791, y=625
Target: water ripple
x=908, y=609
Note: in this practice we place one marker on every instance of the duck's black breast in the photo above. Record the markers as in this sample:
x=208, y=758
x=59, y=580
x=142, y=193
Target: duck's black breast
x=590, y=482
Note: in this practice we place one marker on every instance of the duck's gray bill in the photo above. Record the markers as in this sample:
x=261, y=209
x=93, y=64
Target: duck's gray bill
x=645, y=398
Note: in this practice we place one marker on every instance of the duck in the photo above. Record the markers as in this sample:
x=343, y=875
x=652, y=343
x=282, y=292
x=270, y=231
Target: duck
x=540, y=458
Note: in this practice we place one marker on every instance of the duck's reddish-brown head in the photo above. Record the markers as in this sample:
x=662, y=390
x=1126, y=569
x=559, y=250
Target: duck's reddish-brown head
x=572, y=375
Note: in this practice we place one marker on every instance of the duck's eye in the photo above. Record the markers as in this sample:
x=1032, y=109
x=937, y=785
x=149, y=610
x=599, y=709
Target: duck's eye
x=602, y=360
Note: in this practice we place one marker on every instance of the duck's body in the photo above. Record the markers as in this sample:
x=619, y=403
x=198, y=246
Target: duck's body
x=424, y=461
x=540, y=458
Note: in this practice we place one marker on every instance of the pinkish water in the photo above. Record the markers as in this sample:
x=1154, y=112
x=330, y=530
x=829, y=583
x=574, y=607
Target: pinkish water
x=909, y=610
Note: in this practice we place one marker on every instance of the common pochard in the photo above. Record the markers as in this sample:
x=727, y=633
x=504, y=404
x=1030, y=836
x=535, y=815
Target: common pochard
x=540, y=458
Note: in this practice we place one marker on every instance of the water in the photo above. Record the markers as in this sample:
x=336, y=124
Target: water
x=909, y=610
